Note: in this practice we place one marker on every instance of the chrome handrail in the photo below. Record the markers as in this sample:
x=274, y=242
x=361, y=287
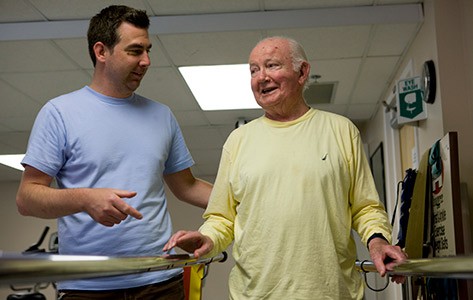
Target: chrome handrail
x=460, y=267
x=36, y=268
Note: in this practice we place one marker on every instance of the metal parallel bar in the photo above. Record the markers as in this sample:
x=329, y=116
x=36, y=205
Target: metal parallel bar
x=460, y=267
x=38, y=268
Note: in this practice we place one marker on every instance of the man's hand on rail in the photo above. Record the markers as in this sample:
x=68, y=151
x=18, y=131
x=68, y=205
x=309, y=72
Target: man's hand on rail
x=385, y=257
x=190, y=241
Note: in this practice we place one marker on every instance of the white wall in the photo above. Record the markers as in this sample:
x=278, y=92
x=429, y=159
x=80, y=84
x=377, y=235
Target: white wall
x=446, y=38
x=454, y=32
x=378, y=130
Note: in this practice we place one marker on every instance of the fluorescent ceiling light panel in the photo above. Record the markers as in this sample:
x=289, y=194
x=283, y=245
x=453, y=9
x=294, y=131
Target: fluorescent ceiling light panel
x=220, y=87
x=12, y=161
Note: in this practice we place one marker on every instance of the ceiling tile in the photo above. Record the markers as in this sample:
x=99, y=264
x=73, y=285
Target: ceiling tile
x=374, y=79
x=33, y=56
x=165, y=85
x=231, y=116
x=385, y=2
x=205, y=171
x=75, y=10
x=206, y=156
x=300, y=4
x=183, y=7
x=77, y=50
x=330, y=42
x=191, y=118
x=15, y=104
x=4, y=128
x=202, y=137
x=43, y=86
x=18, y=11
x=159, y=57
x=342, y=71
x=13, y=142
x=23, y=123
x=209, y=48
x=391, y=39
x=360, y=111
x=9, y=174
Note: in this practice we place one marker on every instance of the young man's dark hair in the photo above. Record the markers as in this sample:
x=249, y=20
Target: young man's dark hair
x=103, y=26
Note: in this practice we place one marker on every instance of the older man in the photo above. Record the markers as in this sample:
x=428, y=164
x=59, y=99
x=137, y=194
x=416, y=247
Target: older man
x=291, y=186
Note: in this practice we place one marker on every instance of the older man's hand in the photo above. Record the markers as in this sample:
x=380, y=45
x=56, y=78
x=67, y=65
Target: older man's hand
x=385, y=257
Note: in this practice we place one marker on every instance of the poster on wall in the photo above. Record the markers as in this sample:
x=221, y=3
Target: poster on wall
x=447, y=223
x=442, y=204
x=446, y=206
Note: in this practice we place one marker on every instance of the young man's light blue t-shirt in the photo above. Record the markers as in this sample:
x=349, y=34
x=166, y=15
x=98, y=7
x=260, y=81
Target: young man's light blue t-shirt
x=86, y=139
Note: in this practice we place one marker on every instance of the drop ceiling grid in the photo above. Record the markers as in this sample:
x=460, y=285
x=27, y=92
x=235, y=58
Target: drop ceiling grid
x=33, y=71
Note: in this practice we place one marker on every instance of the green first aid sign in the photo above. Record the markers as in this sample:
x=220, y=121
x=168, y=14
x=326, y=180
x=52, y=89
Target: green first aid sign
x=410, y=104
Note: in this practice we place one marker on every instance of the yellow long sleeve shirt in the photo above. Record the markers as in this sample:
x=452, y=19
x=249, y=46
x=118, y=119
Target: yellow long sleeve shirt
x=289, y=195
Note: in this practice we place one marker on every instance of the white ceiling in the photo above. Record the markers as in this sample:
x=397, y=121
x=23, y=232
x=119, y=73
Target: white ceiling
x=356, y=43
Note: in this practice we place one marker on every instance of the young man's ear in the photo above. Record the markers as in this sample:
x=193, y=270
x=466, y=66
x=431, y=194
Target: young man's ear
x=100, y=50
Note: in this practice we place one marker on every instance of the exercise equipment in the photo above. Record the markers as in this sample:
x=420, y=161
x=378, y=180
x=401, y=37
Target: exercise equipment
x=460, y=267
x=32, y=268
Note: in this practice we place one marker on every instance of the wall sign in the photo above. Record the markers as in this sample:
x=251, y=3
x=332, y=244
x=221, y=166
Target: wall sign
x=410, y=101
x=446, y=206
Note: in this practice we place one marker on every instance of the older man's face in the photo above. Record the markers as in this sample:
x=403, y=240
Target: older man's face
x=273, y=79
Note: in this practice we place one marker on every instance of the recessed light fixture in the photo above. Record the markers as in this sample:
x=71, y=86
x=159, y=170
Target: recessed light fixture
x=220, y=87
x=12, y=161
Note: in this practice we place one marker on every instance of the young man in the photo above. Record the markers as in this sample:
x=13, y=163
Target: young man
x=110, y=151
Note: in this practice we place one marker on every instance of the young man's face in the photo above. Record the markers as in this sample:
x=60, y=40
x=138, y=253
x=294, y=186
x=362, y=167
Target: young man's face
x=129, y=60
